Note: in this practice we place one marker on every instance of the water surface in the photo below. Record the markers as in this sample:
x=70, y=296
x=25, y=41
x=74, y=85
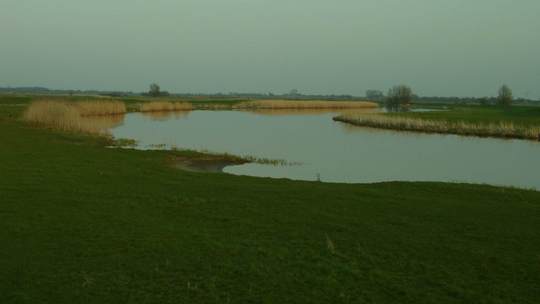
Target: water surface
x=338, y=152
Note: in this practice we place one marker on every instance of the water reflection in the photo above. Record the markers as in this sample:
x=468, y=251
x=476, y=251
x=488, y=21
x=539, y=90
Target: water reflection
x=165, y=115
x=287, y=112
x=101, y=123
x=397, y=108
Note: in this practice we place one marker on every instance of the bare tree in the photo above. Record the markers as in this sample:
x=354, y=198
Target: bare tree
x=155, y=90
x=399, y=96
x=505, y=97
x=374, y=95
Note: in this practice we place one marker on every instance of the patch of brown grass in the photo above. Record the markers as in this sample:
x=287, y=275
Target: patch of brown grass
x=502, y=129
x=285, y=112
x=305, y=104
x=88, y=117
x=94, y=108
x=165, y=106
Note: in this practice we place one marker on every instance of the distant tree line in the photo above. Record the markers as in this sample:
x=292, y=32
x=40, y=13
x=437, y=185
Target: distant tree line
x=46, y=91
x=399, y=96
x=505, y=96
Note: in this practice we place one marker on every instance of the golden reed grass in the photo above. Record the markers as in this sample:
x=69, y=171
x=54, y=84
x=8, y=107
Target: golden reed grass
x=94, y=117
x=308, y=111
x=171, y=106
x=502, y=129
x=165, y=106
x=304, y=104
x=95, y=108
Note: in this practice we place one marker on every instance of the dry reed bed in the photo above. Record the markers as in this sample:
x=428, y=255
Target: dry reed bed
x=502, y=129
x=95, y=108
x=305, y=104
x=165, y=106
x=171, y=106
x=94, y=117
x=285, y=112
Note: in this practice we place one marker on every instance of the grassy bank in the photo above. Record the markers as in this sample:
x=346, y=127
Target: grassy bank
x=500, y=129
x=515, y=122
x=83, y=224
x=523, y=115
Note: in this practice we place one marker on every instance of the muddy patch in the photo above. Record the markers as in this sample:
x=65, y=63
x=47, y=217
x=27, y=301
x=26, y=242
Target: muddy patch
x=208, y=164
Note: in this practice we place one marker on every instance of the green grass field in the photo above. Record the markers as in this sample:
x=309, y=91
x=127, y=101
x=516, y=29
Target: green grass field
x=523, y=115
x=80, y=223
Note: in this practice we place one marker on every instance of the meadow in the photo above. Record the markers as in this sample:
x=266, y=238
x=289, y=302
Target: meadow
x=486, y=121
x=524, y=115
x=83, y=223
x=491, y=129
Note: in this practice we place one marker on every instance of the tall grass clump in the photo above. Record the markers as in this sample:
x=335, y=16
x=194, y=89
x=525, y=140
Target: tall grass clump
x=95, y=108
x=305, y=104
x=88, y=117
x=165, y=106
x=501, y=129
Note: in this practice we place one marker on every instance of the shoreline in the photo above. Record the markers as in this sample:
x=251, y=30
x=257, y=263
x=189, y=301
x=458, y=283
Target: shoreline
x=501, y=131
x=205, y=163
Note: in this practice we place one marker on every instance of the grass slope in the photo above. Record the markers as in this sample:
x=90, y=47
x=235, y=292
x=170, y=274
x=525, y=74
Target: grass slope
x=83, y=224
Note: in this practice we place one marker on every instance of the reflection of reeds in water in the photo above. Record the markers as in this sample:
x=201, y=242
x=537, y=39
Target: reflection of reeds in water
x=104, y=122
x=165, y=106
x=502, y=129
x=94, y=117
x=305, y=104
x=166, y=115
x=307, y=111
x=214, y=106
x=171, y=106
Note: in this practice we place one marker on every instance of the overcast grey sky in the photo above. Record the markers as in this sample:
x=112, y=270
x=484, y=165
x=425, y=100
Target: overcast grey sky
x=439, y=47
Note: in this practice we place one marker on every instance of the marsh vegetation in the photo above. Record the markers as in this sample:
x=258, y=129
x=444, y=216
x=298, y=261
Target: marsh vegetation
x=95, y=117
x=166, y=106
x=304, y=104
x=499, y=129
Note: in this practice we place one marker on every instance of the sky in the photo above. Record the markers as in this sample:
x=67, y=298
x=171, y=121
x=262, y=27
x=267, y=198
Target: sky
x=438, y=47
